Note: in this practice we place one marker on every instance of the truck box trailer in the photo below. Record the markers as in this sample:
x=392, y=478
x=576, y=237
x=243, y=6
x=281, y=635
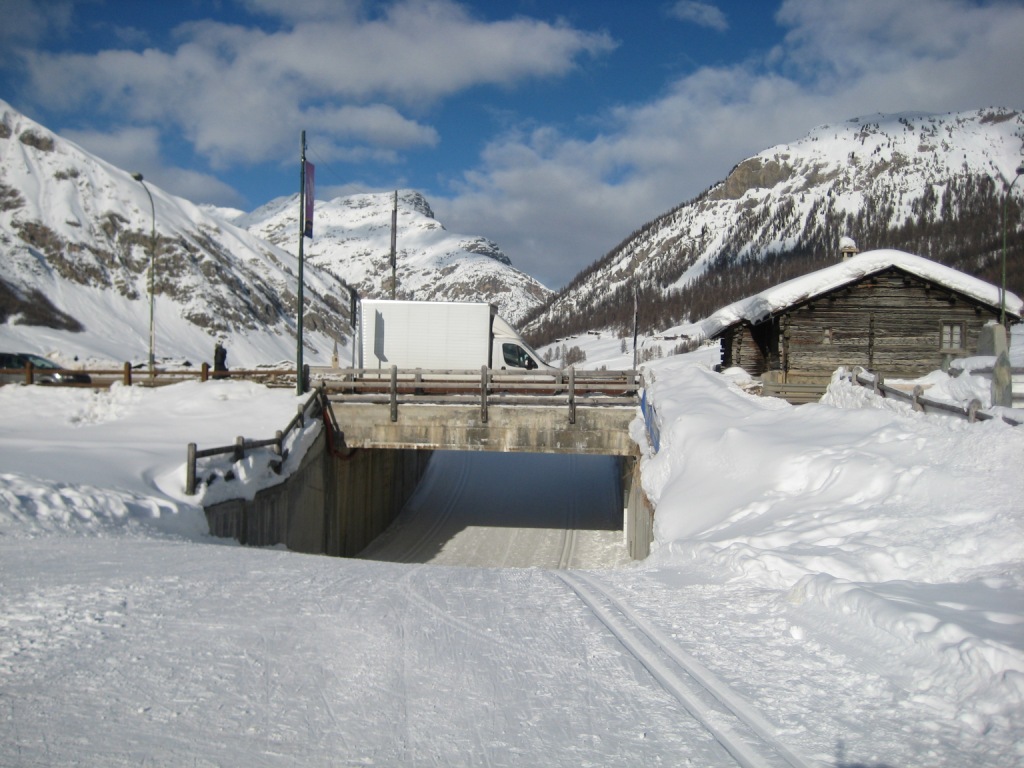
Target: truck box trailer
x=440, y=335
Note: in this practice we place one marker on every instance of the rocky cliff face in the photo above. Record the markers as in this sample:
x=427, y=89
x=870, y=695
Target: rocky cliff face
x=77, y=238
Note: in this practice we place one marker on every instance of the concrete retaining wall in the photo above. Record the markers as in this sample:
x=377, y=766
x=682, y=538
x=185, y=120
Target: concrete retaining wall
x=639, y=514
x=333, y=505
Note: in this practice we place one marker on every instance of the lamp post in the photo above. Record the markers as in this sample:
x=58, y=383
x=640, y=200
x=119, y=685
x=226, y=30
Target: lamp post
x=152, y=274
x=1002, y=292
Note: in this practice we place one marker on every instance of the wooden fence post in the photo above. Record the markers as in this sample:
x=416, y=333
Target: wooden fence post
x=127, y=377
x=915, y=399
x=572, y=394
x=190, y=470
x=204, y=374
x=483, y=394
x=239, y=448
x=394, y=393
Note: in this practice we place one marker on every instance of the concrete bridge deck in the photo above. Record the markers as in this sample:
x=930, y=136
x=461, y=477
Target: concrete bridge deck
x=593, y=430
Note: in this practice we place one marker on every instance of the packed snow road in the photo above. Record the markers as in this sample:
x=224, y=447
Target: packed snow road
x=511, y=511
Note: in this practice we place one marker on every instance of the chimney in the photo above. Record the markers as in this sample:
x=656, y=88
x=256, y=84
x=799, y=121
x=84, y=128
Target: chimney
x=848, y=248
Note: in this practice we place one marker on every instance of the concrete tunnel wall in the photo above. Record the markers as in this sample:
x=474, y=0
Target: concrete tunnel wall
x=336, y=504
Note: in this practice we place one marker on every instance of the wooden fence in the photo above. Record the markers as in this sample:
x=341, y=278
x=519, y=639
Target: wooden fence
x=917, y=399
x=129, y=375
x=242, y=444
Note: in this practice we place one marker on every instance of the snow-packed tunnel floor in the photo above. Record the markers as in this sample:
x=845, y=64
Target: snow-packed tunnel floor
x=510, y=510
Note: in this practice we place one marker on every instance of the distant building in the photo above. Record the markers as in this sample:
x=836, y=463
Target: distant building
x=888, y=311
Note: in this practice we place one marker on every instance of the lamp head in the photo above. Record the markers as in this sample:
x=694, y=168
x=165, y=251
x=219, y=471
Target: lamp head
x=1020, y=169
x=137, y=176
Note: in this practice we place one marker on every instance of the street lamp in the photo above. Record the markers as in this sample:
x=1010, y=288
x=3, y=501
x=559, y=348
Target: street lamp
x=152, y=274
x=1002, y=292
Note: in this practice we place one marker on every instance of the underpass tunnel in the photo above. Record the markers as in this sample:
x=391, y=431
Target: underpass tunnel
x=519, y=510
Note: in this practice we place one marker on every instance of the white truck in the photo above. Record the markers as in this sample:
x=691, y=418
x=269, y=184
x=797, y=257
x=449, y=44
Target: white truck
x=440, y=335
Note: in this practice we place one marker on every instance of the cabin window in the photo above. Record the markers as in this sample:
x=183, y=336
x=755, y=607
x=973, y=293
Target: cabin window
x=953, y=337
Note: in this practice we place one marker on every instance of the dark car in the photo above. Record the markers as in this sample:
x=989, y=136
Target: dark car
x=45, y=371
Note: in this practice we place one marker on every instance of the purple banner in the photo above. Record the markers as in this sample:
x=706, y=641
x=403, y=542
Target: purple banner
x=307, y=229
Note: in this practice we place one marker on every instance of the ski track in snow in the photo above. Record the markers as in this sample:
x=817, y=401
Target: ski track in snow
x=736, y=725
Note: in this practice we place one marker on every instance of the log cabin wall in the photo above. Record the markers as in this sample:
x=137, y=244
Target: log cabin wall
x=890, y=322
x=741, y=350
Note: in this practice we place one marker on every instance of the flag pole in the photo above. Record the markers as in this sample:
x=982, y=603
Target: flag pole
x=299, y=382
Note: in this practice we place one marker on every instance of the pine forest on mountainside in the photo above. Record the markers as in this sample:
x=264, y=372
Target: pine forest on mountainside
x=960, y=227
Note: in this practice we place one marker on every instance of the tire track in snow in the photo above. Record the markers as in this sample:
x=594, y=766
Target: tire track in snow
x=736, y=725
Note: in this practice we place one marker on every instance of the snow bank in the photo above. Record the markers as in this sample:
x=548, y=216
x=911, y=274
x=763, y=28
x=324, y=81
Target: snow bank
x=860, y=510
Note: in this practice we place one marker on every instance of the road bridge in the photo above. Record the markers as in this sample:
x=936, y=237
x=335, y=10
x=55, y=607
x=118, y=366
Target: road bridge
x=383, y=424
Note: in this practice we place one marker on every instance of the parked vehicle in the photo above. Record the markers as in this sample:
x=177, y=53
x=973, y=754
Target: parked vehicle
x=12, y=370
x=435, y=335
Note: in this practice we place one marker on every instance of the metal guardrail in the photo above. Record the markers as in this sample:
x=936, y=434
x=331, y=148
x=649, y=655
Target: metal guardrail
x=242, y=444
x=971, y=411
x=484, y=388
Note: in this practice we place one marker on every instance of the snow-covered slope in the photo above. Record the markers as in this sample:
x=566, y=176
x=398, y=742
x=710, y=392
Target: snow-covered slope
x=932, y=185
x=75, y=238
x=352, y=239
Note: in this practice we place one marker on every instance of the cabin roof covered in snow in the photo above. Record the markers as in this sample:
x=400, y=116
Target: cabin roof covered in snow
x=757, y=308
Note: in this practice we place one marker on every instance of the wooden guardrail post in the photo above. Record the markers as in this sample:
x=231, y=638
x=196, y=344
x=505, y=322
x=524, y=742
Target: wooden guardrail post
x=572, y=394
x=190, y=470
x=972, y=410
x=29, y=368
x=239, y=448
x=394, y=393
x=483, y=393
x=204, y=374
x=127, y=378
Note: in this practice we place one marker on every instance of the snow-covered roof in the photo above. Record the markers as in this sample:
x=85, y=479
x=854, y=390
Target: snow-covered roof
x=756, y=308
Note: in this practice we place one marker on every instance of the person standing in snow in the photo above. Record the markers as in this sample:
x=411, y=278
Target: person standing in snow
x=220, y=362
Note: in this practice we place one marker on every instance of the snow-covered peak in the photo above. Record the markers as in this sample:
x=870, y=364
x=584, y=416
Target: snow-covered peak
x=352, y=240
x=77, y=245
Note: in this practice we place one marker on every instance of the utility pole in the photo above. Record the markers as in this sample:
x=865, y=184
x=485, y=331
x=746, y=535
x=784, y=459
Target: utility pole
x=299, y=388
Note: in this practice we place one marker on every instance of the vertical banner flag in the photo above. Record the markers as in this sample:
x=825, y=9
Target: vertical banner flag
x=394, y=231
x=308, y=216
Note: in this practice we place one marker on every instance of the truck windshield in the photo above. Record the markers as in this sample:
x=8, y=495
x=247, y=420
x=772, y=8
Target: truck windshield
x=516, y=356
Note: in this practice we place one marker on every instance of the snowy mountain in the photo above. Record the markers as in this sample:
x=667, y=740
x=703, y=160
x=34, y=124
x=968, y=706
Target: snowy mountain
x=352, y=240
x=75, y=237
x=932, y=185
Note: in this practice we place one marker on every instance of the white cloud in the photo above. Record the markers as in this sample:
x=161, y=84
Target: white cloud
x=703, y=14
x=557, y=203
x=138, y=149
x=241, y=94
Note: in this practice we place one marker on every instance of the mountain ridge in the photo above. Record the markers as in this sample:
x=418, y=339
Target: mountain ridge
x=927, y=183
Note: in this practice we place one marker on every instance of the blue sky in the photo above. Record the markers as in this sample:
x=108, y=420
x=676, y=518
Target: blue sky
x=554, y=128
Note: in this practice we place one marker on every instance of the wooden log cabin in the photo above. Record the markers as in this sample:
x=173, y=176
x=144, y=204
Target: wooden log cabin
x=888, y=311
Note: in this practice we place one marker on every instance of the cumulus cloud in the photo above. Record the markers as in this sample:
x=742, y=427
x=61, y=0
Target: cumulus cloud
x=241, y=94
x=702, y=14
x=578, y=198
x=138, y=149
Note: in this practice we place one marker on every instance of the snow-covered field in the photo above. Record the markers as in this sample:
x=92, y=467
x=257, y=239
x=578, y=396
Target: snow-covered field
x=835, y=584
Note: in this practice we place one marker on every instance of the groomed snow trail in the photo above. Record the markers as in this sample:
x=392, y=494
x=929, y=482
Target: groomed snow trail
x=736, y=725
x=510, y=511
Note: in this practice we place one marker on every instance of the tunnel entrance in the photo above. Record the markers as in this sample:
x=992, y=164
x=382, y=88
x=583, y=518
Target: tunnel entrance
x=511, y=510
